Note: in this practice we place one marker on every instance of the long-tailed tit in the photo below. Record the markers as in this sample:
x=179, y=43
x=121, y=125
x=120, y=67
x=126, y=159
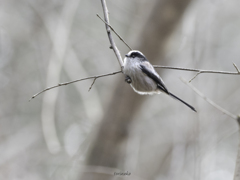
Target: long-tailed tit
x=143, y=78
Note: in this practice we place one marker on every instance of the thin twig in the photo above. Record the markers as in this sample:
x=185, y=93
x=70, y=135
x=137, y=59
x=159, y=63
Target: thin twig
x=236, y=67
x=199, y=71
x=115, y=32
x=194, y=76
x=113, y=45
x=209, y=100
x=70, y=82
x=92, y=84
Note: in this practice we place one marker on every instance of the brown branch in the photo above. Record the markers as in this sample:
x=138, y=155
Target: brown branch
x=115, y=32
x=199, y=71
x=70, y=82
x=113, y=45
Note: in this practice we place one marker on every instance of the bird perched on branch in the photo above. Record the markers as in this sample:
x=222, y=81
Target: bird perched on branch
x=143, y=78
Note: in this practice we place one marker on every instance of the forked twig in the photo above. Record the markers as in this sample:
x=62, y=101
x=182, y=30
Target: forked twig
x=199, y=71
x=115, y=32
x=70, y=82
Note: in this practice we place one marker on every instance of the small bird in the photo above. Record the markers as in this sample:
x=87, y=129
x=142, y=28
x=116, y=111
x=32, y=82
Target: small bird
x=143, y=78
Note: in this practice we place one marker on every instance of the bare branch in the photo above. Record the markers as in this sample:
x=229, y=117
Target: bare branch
x=199, y=71
x=70, y=82
x=115, y=32
x=196, y=70
x=209, y=100
x=113, y=45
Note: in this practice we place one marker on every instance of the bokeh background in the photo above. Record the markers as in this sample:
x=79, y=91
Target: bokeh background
x=58, y=135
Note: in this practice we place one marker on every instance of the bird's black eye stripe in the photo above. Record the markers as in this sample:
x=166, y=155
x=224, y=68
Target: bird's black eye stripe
x=135, y=54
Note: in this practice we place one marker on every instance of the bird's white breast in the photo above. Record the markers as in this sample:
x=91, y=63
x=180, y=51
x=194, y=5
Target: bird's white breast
x=141, y=83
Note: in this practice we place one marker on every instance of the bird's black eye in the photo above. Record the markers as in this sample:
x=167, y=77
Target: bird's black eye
x=133, y=55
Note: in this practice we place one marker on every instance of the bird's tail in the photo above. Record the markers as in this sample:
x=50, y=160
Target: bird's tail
x=175, y=97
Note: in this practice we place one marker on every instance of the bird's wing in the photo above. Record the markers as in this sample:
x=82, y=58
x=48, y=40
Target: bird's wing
x=148, y=69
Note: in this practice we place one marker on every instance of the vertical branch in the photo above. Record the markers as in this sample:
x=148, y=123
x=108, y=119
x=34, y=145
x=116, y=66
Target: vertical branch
x=113, y=45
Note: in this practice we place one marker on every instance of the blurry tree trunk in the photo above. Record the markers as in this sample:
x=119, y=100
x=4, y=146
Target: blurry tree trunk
x=106, y=150
x=237, y=167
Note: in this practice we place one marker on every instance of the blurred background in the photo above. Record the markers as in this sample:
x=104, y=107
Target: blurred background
x=69, y=133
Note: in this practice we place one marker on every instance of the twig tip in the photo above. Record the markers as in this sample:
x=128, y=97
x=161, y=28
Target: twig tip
x=31, y=98
x=236, y=67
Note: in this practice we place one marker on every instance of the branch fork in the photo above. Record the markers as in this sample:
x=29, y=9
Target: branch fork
x=119, y=58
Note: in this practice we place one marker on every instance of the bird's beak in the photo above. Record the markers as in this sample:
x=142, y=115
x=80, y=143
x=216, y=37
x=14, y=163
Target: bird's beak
x=127, y=55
